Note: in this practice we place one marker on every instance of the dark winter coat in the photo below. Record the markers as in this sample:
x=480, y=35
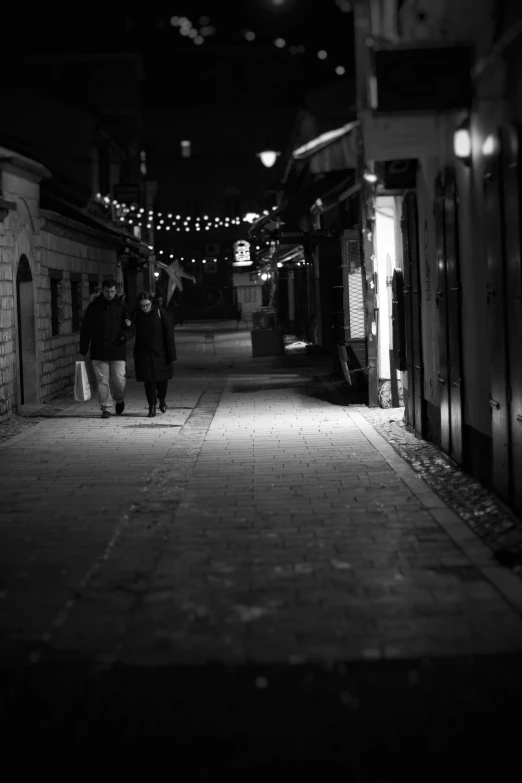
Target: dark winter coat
x=155, y=347
x=104, y=329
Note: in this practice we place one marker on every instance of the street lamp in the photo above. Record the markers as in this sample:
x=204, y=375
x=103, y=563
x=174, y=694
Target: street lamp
x=268, y=157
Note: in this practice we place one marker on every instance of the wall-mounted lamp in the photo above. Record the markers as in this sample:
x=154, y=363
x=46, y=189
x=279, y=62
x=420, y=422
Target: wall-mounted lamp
x=462, y=142
x=489, y=146
x=268, y=157
x=369, y=174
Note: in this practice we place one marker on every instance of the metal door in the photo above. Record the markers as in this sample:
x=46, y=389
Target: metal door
x=510, y=176
x=449, y=306
x=414, y=400
x=497, y=316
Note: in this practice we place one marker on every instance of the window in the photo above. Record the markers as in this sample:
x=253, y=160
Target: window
x=185, y=149
x=55, y=293
x=76, y=304
x=247, y=294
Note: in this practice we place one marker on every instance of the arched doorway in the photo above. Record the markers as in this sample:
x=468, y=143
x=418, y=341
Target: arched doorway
x=27, y=369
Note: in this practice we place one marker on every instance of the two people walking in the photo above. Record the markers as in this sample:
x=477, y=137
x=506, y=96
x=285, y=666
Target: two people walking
x=107, y=327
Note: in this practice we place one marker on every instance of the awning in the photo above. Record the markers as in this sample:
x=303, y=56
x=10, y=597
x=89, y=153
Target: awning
x=334, y=150
x=54, y=204
x=298, y=205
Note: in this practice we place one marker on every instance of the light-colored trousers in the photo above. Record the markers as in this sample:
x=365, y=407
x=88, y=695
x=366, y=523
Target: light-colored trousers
x=110, y=377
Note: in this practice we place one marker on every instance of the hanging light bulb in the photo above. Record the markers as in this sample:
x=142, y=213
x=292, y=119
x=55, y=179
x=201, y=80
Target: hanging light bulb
x=268, y=157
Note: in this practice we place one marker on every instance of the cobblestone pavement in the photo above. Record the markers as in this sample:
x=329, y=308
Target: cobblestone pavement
x=493, y=522
x=257, y=572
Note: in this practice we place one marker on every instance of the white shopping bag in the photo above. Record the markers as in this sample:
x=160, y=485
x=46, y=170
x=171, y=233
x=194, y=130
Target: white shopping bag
x=84, y=381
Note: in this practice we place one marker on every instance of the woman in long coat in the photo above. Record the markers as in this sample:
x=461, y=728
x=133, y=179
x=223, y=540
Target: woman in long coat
x=154, y=350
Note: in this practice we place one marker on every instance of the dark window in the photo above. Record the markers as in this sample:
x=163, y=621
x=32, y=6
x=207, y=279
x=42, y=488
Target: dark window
x=76, y=305
x=55, y=292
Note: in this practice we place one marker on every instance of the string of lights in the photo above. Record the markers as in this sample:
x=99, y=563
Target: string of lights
x=168, y=221
x=203, y=30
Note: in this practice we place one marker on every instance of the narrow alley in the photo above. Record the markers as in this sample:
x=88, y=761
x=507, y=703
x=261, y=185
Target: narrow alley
x=256, y=562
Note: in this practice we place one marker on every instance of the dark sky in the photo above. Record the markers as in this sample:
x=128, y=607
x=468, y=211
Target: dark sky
x=226, y=67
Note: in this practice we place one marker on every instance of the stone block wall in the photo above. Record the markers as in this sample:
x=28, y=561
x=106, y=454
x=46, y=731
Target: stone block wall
x=8, y=389
x=61, y=255
x=50, y=246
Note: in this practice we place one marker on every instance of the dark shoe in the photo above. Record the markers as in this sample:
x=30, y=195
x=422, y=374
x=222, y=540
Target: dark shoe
x=120, y=407
x=163, y=405
x=106, y=415
x=152, y=411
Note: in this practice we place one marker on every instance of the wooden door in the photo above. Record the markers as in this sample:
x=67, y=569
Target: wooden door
x=496, y=298
x=448, y=300
x=27, y=365
x=510, y=177
x=454, y=315
x=442, y=307
x=414, y=400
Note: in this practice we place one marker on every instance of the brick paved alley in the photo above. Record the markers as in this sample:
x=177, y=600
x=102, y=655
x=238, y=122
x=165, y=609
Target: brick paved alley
x=259, y=549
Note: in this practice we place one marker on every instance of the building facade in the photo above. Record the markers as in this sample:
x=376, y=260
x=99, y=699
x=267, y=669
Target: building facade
x=49, y=266
x=440, y=108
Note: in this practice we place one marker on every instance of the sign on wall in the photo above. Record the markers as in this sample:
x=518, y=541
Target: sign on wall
x=400, y=137
x=242, y=253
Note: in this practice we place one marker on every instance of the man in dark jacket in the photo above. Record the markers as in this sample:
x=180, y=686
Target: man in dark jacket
x=106, y=327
